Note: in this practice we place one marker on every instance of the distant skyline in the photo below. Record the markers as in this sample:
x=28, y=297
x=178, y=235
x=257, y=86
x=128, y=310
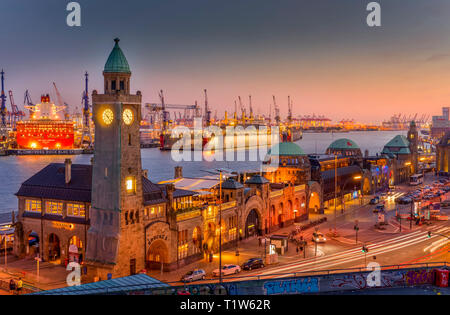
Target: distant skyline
x=321, y=53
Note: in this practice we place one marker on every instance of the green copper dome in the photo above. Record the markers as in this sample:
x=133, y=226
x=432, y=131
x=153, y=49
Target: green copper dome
x=287, y=149
x=342, y=144
x=117, y=63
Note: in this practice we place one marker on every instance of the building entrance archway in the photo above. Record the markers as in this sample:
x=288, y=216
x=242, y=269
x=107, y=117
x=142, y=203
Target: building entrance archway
x=252, y=224
x=157, y=255
x=54, y=248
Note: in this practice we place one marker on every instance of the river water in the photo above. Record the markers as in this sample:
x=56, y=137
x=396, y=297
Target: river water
x=16, y=169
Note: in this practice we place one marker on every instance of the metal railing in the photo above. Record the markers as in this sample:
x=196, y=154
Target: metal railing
x=122, y=289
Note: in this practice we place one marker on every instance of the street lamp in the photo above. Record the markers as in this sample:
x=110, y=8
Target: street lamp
x=220, y=227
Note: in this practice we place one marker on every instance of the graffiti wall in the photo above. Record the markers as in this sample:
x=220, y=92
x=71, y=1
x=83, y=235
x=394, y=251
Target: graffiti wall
x=303, y=285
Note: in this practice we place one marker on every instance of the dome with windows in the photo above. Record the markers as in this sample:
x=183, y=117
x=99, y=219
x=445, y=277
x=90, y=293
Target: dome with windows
x=344, y=147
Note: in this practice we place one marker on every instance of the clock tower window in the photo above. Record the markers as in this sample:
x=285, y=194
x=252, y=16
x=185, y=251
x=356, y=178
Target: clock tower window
x=130, y=185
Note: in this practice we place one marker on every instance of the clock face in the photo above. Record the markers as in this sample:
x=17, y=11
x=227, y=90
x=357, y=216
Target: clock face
x=127, y=116
x=107, y=116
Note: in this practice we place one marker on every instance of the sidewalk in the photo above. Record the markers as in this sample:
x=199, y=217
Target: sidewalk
x=51, y=276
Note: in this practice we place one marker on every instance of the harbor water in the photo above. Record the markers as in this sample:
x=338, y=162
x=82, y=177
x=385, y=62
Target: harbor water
x=16, y=169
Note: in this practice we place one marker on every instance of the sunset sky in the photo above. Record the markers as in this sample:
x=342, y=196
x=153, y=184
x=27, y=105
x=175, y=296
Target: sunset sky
x=320, y=52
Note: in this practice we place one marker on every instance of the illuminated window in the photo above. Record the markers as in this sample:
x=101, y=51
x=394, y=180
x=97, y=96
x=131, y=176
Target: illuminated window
x=130, y=184
x=53, y=207
x=75, y=210
x=182, y=251
x=33, y=206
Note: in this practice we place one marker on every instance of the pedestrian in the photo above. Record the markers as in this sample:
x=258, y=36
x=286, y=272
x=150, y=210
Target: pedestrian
x=297, y=249
x=259, y=241
x=19, y=286
x=12, y=286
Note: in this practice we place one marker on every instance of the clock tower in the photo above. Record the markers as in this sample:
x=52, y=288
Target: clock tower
x=113, y=246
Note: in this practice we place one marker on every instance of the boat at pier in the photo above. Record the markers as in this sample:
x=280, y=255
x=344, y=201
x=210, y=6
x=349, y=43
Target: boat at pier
x=45, y=130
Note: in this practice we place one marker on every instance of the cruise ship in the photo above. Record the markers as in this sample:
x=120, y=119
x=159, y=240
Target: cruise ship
x=45, y=130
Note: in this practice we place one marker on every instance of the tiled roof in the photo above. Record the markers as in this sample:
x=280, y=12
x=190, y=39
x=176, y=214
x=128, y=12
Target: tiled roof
x=257, y=179
x=231, y=184
x=49, y=183
x=117, y=63
x=178, y=192
x=153, y=194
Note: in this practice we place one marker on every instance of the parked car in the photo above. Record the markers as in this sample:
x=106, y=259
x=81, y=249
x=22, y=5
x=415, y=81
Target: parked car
x=253, y=263
x=374, y=200
x=227, y=270
x=319, y=238
x=194, y=275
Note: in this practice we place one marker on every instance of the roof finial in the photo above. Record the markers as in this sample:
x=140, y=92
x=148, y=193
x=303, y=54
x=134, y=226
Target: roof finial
x=117, y=40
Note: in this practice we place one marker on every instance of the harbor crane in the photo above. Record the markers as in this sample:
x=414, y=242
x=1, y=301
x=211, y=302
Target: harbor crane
x=28, y=103
x=250, y=107
x=277, y=111
x=63, y=105
x=289, y=110
x=87, y=134
x=207, y=110
x=3, y=112
x=16, y=114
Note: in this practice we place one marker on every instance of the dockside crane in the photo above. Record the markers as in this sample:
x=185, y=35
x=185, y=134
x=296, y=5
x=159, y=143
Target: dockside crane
x=16, y=114
x=289, y=111
x=277, y=111
x=165, y=113
x=3, y=112
x=242, y=110
x=87, y=134
x=250, y=107
x=207, y=110
x=62, y=103
x=28, y=103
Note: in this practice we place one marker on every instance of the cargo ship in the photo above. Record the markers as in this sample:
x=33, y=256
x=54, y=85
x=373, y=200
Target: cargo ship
x=240, y=140
x=45, y=130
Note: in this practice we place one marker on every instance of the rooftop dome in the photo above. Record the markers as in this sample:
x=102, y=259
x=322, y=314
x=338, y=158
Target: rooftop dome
x=398, y=145
x=257, y=179
x=117, y=63
x=342, y=144
x=287, y=149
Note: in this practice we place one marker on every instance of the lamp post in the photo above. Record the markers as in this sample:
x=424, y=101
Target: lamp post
x=220, y=227
x=6, y=255
x=335, y=192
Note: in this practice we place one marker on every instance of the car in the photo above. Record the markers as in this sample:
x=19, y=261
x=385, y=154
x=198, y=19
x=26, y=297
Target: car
x=194, y=275
x=374, y=200
x=227, y=270
x=378, y=208
x=253, y=263
x=319, y=238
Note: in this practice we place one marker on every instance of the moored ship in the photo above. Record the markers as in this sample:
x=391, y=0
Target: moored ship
x=45, y=130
